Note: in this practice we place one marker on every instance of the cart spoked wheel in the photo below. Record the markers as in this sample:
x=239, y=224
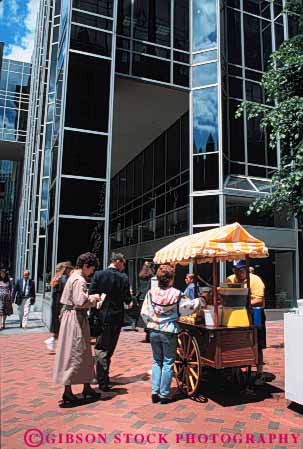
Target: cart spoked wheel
x=187, y=366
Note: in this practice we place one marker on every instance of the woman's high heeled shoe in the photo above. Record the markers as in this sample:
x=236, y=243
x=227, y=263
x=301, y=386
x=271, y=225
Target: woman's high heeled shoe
x=91, y=393
x=70, y=398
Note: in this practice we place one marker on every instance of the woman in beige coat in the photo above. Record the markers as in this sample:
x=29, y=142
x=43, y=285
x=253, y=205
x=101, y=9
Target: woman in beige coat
x=74, y=362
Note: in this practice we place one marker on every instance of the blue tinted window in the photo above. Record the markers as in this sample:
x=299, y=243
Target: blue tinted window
x=46, y=163
x=204, y=24
x=205, y=56
x=205, y=117
x=10, y=118
x=44, y=194
x=43, y=220
x=14, y=80
x=26, y=82
x=64, y=12
x=205, y=74
x=1, y=115
x=3, y=79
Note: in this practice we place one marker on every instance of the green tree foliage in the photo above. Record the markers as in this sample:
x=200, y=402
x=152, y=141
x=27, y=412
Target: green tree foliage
x=282, y=117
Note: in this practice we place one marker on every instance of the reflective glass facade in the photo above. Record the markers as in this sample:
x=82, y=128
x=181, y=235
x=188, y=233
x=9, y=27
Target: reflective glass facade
x=14, y=106
x=14, y=99
x=33, y=214
x=106, y=179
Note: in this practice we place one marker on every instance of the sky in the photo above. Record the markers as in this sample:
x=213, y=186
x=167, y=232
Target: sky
x=17, y=28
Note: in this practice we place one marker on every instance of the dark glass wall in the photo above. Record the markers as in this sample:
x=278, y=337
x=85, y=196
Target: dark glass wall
x=253, y=31
x=150, y=196
x=10, y=176
x=153, y=40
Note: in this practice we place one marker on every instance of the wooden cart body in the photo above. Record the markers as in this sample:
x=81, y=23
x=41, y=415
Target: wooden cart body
x=217, y=347
x=225, y=347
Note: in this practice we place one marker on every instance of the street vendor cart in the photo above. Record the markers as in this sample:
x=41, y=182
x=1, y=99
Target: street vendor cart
x=218, y=346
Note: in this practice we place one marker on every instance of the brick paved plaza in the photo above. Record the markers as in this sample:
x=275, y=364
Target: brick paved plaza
x=29, y=399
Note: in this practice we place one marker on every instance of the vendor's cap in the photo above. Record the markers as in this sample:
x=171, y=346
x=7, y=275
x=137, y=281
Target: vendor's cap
x=239, y=264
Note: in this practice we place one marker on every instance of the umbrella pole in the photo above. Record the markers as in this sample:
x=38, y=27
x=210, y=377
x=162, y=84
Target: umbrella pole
x=248, y=286
x=215, y=292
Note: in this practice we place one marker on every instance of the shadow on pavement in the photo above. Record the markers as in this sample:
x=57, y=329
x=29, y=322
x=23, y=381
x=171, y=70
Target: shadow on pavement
x=233, y=395
x=112, y=393
x=221, y=388
x=278, y=346
x=296, y=408
x=124, y=380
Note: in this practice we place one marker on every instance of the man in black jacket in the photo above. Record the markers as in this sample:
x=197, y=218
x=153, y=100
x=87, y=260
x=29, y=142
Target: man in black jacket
x=115, y=285
x=24, y=296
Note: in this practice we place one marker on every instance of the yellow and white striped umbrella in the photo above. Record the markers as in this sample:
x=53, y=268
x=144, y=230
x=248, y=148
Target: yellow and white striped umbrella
x=230, y=242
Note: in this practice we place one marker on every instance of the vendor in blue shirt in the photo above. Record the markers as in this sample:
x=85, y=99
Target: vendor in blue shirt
x=190, y=289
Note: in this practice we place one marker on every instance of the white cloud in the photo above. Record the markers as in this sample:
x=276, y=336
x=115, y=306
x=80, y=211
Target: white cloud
x=23, y=51
x=9, y=11
x=205, y=24
x=205, y=109
x=13, y=11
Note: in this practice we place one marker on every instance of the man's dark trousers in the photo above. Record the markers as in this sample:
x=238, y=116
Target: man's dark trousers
x=105, y=346
x=115, y=286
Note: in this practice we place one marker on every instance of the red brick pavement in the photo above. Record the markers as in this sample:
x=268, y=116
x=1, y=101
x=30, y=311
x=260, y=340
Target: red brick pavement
x=29, y=399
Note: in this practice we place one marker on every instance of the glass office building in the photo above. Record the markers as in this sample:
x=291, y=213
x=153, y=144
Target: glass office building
x=14, y=105
x=139, y=141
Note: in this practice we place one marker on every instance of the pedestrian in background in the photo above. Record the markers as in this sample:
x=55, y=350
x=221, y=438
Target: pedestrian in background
x=161, y=310
x=6, y=307
x=24, y=296
x=114, y=285
x=63, y=270
x=190, y=286
x=131, y=313
x=145, y=276
x=74, y=361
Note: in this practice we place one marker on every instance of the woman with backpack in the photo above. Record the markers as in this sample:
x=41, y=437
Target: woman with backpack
x=161, y=310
